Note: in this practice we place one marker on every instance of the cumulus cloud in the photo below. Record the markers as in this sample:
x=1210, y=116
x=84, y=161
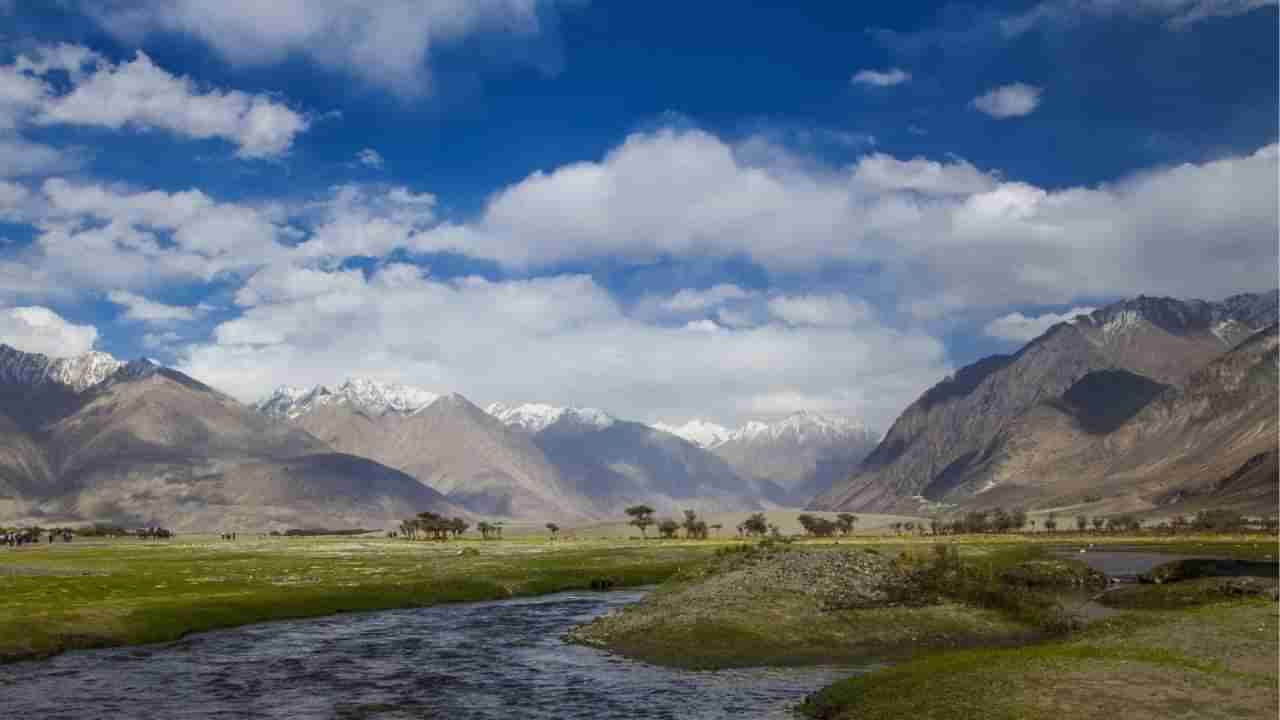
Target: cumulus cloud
x=387, y=43
x=878, y=78
x=1016, y=327
x=958, y=237
x=368, y=221
x=879, y=171
x=40, y=330
x=139, y=94
x=371, y=158
x=693, y=300
x=820, y=310
x=144, y=310
x=564, y=335
x=95, y=237
x=1013, y=100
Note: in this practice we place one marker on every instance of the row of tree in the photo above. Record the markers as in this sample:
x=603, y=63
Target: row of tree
x=695, y=528
x=432, y=526
x=818, y=526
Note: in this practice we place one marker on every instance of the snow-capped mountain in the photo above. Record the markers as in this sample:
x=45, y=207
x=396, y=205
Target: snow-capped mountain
x=78, y=373
x=802, y=426
x=797, y=456
x=536, y=417
x=368, y=396
x=702, y=433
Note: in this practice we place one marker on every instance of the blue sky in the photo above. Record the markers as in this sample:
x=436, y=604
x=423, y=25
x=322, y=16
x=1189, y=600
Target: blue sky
x=668, y=211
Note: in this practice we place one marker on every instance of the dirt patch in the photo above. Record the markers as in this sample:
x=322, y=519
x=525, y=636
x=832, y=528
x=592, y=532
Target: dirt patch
x=1146, y=693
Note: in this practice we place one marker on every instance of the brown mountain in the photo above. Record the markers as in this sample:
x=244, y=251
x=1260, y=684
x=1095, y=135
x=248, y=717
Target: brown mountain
x=151, y=446
x=449, y=444
x=1011, y=421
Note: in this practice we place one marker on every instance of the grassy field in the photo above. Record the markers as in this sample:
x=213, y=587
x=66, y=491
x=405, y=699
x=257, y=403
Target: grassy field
x=1215, y=661
x=1207, y=660
x=98, y=593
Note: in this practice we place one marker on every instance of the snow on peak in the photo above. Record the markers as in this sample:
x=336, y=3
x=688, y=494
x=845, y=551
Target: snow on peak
x=702, y=433
x=369, y=396
x=536, y=417
x=1121, y=321
x=802, y=426
x=79, y=373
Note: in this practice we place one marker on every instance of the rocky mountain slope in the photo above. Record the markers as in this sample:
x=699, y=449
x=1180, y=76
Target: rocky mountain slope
x=1023, y=415
x=146, y=445
x=616, y=463
x=445, y=442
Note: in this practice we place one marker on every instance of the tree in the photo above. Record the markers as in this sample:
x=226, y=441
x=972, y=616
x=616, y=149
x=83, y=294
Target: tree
x=694, y=528
x=554, y=530
x=807, y=522
x=1082, y=522
x=1051, y=523
x=641, y=517
x=1219, y=520
x=1098, y=522
x=1019, y=518
x=717, y=527
x=846, y=522
x=756, y=524
x=668, y=528
x=485, y=528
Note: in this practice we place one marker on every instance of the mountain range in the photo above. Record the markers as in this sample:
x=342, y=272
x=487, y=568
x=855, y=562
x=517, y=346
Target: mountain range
x=1146, y=404
x=1149, y=404
x=137, y=444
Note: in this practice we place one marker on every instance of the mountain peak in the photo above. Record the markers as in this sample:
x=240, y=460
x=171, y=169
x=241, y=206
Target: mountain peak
x=801, y=425
x=78, y=373
x=703, y=433
x=536, y=417
x=364, y=394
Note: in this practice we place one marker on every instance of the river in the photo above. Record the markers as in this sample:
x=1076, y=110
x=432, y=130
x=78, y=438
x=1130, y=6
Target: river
x=500, y=659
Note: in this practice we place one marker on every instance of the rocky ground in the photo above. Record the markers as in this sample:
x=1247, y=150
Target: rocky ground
x=782, y=605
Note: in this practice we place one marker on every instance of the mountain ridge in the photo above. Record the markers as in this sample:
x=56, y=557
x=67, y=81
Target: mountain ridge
x=942, y=439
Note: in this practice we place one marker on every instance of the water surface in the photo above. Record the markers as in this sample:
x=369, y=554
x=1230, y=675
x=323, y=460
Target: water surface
x=476, y=660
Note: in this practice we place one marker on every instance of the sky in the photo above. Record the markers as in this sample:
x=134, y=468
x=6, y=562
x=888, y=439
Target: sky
x=667, y=211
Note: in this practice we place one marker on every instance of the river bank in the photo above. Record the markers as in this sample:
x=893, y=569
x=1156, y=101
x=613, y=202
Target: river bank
x=129, y=592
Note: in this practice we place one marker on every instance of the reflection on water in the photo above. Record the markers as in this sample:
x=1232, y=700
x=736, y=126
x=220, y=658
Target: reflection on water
x=477, y=660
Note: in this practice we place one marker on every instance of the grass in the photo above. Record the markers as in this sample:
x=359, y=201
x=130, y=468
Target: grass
x=687, y=624
x=103, y=593
x=1215, y=661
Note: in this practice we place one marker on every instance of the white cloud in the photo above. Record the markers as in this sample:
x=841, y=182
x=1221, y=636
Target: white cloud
x=1179, y=14
x=953, y=237
x=141, y=309
x=685, y=194
x=387, y=43
x=877, y=78
x=689, y=300
x=369, y=157
x=93, y=237
x=1017, y=327
x=820, y=310
x=1006, y=101
x=563, y=335
x=19, y=158
x=40, y=330
x=138, y=94
x=162, y=341
x=368, y=221
x=879, y=171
